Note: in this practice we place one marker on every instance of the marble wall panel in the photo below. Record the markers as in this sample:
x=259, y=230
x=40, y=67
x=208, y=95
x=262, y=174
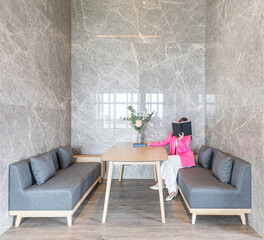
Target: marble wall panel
x=235, y=88
x=35, y=86
x=149, y=54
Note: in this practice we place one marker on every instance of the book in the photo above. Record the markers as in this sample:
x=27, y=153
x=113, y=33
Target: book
x=139, y=145
x=185, y=127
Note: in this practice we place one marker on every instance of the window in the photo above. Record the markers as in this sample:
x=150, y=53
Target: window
x=154, y=102
x=111, y=106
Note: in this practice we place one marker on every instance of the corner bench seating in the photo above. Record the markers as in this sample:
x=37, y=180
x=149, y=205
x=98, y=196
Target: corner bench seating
x=204, y=194
x=60, y=196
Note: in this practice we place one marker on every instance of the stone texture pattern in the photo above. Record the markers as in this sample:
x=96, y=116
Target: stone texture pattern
x=35, y=88
x=149, y=54
x=235, y=88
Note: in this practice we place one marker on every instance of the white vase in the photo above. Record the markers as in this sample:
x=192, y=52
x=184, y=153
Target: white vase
x=139, y=138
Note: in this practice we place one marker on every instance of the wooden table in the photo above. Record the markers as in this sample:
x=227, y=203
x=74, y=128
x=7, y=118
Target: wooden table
x=125, y=153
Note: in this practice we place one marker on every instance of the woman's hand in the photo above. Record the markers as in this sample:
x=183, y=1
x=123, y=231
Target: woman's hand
x=181, y=136
x=148, y=144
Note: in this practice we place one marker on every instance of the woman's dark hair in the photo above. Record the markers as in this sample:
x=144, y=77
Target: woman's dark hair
x=183, y=119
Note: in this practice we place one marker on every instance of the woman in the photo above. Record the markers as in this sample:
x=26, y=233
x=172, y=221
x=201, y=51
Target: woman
x=181, y=156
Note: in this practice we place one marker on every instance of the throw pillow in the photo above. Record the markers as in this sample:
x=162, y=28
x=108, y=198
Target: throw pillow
x=222, y=167
x=42, y=167
x=205, y=156
x=65, y=156
x=55, y=160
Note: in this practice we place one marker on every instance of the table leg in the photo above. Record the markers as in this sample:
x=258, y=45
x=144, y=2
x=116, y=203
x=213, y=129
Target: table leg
x=121, y=172
x=108, y=187
x=155, y=172
x=160, y=192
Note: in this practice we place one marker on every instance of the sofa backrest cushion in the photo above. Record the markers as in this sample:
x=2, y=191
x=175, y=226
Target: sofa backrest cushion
x=20, y=176
x=241, y=174
x=213, y=157
x=55, y=160
x=65, y=156
x=42, y=167
x=222, y=167
x=205, y=156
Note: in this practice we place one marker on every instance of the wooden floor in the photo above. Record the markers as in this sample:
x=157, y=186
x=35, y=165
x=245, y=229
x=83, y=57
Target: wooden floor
x=133, y=213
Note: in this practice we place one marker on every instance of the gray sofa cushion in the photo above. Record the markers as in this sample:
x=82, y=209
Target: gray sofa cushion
x=202, y=190
x=55, y=160
x=20, y=176
x=222, y=167
x=42, y=167
x=205, y=156
x=65, y=156
x=61, y=192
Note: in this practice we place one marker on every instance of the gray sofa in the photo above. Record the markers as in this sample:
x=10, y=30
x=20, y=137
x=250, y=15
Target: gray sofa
x=204, y=194
x=59, y=196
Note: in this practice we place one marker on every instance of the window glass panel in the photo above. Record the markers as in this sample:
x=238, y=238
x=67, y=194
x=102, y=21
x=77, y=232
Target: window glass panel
x=106, y=111
x=105, y=124
x=154, y=107
x=148, y=108
x=154, y=97
x=112, y=111
x=160, y=97
x=121, y=110
x=111, y=97
x=121, y=97
x=135, y=97
x=106, y=97
x=147, y=97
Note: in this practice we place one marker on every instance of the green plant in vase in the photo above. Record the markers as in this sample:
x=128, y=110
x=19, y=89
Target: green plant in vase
x=137, y=120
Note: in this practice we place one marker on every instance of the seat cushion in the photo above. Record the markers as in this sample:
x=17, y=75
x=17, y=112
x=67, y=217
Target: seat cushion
x=65, y=156
x=205, y=156
x=203, y=190
x=42, y=167
x=61, y=192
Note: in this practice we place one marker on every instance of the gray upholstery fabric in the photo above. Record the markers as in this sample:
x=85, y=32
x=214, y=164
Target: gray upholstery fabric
x=60, y=192
x=20, y=176
x=213, y=158
x=222, y=167
x=42, y=167
x=202, y=190
x=55, y=159
x=205, y=156
x=65, y=156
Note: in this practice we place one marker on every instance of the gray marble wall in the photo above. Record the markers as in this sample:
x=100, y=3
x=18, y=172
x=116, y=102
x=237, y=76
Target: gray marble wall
x=147, y=53
x=35, y=112
x=235, y=88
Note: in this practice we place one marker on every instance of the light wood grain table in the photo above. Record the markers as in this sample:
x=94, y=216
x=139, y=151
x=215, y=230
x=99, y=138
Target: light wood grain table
x=125, y=153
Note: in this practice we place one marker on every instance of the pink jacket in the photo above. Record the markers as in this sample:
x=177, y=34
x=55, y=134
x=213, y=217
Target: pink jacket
x=183, y=149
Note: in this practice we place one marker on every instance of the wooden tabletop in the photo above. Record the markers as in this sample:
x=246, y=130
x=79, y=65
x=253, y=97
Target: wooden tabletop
x=127, y=153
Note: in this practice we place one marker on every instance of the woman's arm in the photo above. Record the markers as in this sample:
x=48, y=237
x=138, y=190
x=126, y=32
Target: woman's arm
x=162, y=143
x=184, y=144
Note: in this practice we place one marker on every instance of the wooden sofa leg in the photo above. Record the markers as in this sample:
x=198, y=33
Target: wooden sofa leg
x=100, y=181
x=18, y=220
x=243, y=218
x=69, y=220
x=193, y=218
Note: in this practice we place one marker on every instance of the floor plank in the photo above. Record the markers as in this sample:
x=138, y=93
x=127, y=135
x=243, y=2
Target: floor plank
x=133, y=213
